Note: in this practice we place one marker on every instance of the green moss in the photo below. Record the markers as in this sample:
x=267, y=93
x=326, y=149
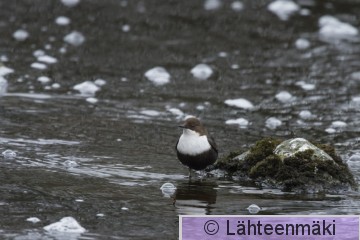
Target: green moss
x=266, y=168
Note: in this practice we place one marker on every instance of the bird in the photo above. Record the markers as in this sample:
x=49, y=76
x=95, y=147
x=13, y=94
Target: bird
x=195, y=148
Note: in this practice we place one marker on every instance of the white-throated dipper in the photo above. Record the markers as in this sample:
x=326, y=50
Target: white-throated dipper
x=195, y=148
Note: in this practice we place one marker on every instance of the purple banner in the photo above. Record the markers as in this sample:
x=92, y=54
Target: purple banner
x=269, y=227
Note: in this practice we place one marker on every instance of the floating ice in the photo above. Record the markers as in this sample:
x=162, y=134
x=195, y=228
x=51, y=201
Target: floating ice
x=239, y=103
x=235, y=66
x=223, y=54
x=237, y=6
x=39, y=66
x=20, y=35
x=47, y=59
x=302, y=44
x=125, y=28
x=74, y=38
x=65, y=225
x=242, y=122
x=355, y=158
x=200, y=107
x=202, y=71
x=331, y=27
x=4, y=58
x=70, y=164
x=284, y=97
x=55, y=86
x=338, y=124
x=100, y=215
x=79, y=200
x=305, y=12
x=38, y=53
x=87, y=88
x=62, y=21
x=168, y=189
x=3, y=86
x=9, y=154
x=305, y=86
x=176, y=112
x=212, y=4
x=33, y=219
x=125, y=209
x=273, y=123
x=44, y=79
x=330, y=130
x=92, y=100
x=70, y=3
x=253, y=209
x=283, y=8
x=5, y=70
x=158, y=75
x=355, y=75
x=150, y=113
x=305, y=114
x=100, y=82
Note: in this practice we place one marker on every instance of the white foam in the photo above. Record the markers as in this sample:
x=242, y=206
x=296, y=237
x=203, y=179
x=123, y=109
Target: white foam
x=39, y=66
x=87, y=88
x=212, y=4
x=100, y=82
x=158, y=75
x=44, y=79
x=20, y=35
x=241, y=122
x=237, y=6
x=284, y=97
x=239, y=103
x=202, y=71
x=62, y=21
x=75, y=38
x=47, y=59
x=331, y=27
x=92, y=100
x=70, y=3
x=3, y=85
x=273, y=123
x=33, y=219
x=65, y=225
x=302, y=43
x=5, y=70
x=283, y=8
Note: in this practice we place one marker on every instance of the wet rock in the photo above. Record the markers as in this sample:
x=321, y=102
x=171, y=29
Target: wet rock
x=291, y=165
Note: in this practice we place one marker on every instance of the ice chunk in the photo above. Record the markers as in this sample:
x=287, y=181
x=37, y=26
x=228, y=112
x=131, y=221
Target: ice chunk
x=242, y=122
x=20, y=35
x=62, y=21
x=100, y=215
x=158, y=75
x=65, y=225
x=305, y=86
x=3, y=86
x=125, y=28
x=253, y=209
x=55, y=86
x=305, y=114
x=355, y=75
x=283, y=8
x=150, y=113
x=212, y=4
x=47, y=59
x=338, y=124
x=239, y=103
x=331, y=27
x=237, y=6
x=70, y=3
x=39, y=66
x=302, y=44
x=70, y=164
x=9, y=154
x=176, y=112
x=33, y=219
x=74, y=38
x=44, y=79
x=100, y=82
x=38, y=53
x=284, y=97
x=168, y=189
x=5, y=70
x=202, y=71
x=92, y=100
x=273, y=123
x=87, y=88
x=125, y=209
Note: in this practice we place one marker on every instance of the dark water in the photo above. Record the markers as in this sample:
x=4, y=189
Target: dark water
x=123, y=145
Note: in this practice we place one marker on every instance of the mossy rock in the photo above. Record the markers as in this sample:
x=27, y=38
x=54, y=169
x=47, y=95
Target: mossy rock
x=291, y=165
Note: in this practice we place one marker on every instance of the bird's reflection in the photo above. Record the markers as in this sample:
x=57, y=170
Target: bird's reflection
x=195, y=197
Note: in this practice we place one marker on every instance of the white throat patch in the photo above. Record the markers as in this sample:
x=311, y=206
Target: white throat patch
x=191, y=143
